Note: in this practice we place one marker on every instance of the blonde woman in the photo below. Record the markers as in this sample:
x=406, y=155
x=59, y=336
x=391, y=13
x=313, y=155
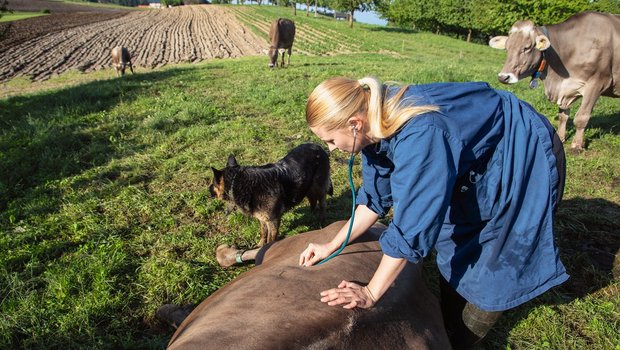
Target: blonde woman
x=470, y=171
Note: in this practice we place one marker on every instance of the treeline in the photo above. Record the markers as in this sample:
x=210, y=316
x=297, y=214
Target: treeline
x=121, y=2
x=478, y=19
x=471, y=20
x=146, y=2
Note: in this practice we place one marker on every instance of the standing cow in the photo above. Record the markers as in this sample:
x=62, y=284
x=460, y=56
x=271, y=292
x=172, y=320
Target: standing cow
x=121, y=59
x=281, y=36
x=276, y=305
x=578, y=57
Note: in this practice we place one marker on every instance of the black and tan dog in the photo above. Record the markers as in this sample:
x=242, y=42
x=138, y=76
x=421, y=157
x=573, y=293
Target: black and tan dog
x=266, y=192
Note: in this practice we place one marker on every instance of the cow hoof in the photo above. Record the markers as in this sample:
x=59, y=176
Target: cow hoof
x=226, y=256
x=173, y=314
x=576, y=150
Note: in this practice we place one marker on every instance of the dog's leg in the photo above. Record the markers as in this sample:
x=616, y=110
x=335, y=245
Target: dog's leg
x=322, y=209
x=312, y=201
x=274, y=226
x=264, y=232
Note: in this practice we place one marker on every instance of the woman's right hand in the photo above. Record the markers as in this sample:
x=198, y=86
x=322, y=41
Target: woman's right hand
x=314, y=253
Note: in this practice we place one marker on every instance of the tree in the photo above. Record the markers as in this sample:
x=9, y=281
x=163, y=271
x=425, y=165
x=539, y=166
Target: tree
x=351, y=6
x=415, y=14
x=609, y=6
x=482, y=18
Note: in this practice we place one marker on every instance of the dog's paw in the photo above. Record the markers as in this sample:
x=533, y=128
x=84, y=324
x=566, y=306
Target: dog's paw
x=226, y=256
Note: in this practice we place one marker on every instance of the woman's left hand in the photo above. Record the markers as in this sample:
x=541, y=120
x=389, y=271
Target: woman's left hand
x=349, y=295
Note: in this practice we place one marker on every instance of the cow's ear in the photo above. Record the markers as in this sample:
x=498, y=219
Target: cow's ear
x=232, y=161
x=542, y=43
x=498, y=42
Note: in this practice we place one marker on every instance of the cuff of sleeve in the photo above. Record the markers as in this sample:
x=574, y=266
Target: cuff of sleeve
x=397, y=247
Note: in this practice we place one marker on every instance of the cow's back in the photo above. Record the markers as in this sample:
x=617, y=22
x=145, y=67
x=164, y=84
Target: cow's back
x=117, y=55
x=586, y=47
x=276, y=305
x=282, y=33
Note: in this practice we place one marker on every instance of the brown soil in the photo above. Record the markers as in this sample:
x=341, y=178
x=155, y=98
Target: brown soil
x=44, y=46
x=56, y=7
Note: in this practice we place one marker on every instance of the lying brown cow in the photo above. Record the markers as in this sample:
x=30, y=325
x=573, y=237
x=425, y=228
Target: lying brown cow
x=578, y=57
x=276, y=305
x=121, y=59
x=281, y=36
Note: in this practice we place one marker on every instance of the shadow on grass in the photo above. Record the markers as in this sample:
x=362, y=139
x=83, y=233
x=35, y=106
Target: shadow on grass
x=604, y=123
x=54, y=135
x=394, y=30
x=588, y=237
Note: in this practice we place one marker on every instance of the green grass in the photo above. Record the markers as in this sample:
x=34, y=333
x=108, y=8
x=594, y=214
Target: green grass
x=16, y=16
x=105, y=213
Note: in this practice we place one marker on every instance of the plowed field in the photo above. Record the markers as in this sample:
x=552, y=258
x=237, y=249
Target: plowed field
x=154, y=37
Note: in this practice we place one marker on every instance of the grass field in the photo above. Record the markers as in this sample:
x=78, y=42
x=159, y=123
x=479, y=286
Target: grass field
x=105, y=213
x=15, y=16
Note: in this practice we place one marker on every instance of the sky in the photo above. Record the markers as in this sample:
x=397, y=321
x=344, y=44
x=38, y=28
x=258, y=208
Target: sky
x=369, y=17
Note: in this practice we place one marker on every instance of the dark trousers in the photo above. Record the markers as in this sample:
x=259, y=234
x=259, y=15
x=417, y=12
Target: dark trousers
x=560, y=164
x=465, y=323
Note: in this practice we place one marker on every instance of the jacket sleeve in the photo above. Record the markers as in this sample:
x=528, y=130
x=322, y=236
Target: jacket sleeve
x=425, y=170
x=375, y=193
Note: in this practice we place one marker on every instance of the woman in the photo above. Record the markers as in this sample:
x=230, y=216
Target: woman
x=470, y=171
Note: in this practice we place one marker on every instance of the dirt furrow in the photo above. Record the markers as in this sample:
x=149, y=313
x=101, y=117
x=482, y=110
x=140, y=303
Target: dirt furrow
x=155, y=38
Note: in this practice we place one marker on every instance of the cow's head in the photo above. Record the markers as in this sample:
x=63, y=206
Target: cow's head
x=273, y=57
x=524, y=44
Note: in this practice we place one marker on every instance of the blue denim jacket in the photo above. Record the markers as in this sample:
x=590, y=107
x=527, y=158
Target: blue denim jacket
x=477, y=181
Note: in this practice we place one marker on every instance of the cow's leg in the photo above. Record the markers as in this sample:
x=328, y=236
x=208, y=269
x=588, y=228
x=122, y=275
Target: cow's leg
x=131, y=67
x=582, y=117
x=227, y=256
x=290, y=49
x=563, y=114
x=174, y=314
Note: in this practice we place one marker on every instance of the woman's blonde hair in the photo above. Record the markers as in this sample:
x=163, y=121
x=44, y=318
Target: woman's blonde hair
x=335, y=100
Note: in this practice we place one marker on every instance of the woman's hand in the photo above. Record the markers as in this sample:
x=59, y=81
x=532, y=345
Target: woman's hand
x=314, y=253
x=350, y=294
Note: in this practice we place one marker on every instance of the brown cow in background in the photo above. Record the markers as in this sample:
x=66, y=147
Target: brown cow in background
x=121, y=59
x=281, y=36
x=276, y=305
x=578, y=57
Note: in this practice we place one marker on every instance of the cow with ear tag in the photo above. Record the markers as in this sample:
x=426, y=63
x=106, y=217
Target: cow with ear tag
x=576, y=58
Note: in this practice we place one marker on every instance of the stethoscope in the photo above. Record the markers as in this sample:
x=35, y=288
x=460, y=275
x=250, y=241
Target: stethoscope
x=346, y=241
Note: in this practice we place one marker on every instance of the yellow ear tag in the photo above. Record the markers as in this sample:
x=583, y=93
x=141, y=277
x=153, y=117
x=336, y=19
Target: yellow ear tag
x=541, y=44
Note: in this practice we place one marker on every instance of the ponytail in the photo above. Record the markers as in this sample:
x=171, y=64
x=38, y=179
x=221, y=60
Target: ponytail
x=334, y=101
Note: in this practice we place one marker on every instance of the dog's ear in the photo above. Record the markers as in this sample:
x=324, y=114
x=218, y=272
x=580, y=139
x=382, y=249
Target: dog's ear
x=216, y=173
x=232, y=161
